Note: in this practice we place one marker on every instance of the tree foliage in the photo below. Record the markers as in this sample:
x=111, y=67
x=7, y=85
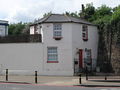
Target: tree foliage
x=115, y=22
x=18, y=28
x=47, y=14
x=87, y=12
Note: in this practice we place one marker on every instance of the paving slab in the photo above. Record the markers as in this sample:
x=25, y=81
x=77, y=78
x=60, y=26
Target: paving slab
x=60, y=81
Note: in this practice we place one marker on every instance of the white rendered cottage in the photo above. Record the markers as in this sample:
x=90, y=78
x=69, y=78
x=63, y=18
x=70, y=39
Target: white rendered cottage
x=3, y=28
x=68, y=44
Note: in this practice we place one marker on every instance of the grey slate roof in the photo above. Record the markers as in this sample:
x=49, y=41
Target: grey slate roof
x=61, y=18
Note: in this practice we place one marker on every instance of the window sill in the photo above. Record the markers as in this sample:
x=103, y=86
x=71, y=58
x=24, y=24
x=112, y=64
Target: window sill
x=85, y=39
x=52, y=61
x=57, y=38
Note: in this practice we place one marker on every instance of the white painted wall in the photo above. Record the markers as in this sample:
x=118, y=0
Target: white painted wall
x=31, y=29
x=65, y=65
x=25, y=58
x=22, y=58
x=67, y=47
x=78, y=43
x=37, y=53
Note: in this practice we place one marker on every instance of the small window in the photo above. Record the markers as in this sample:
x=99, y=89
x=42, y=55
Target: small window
x=57, y=31
x=52, y=55
x=35, y=29
x=85, y=32
x=88, y=56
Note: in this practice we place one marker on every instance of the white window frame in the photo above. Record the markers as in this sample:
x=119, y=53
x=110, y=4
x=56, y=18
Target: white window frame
x=88, y=56
x=57, y=30
x=85, y=32
x=52, y=54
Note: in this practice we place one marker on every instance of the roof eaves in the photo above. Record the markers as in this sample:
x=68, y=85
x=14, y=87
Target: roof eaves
x=33, y=24
x=58, y=22
x=84, y=23
x=66, y=22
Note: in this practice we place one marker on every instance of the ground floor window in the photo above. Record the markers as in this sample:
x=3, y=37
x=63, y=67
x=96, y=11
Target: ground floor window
x=52, y=55
x=88, y=59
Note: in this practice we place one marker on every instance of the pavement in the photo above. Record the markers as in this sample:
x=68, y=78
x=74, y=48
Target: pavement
x=7, y=86
x=61, y=81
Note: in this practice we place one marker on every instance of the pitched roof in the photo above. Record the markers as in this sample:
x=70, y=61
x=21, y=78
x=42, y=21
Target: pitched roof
x=61, y=18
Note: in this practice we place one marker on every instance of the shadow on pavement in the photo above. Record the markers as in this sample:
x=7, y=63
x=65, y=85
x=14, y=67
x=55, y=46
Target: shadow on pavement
x=14, y=82
x=113, y=81
x=97, y=85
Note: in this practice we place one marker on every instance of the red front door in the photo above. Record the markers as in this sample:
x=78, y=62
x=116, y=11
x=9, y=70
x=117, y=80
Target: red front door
x=80, y=58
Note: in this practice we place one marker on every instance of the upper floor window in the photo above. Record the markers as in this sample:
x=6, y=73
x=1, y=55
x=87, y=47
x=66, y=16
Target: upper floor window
x=85, y=32
x=57, y=31
x=57, y=26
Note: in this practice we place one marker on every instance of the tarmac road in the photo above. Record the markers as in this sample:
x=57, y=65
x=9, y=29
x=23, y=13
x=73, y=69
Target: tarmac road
x=7, y=86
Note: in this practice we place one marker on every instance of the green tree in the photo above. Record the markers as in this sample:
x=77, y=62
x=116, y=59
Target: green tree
x=102, y=14
x=16, y=29
x=72, y=14
x=87, y=12
x=115, y=20
x=47, y=14
x=11, y=28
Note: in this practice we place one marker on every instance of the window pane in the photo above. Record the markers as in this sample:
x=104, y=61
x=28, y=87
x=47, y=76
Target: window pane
x=57, y=33
x=84, y=35
x=52, y=57
x=88, y=54
x=57, y=30
x=57, y=26
x=52, y=54
x=85, y=32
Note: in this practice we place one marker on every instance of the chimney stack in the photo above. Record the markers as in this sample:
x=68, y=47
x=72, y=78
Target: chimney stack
x=83, y=8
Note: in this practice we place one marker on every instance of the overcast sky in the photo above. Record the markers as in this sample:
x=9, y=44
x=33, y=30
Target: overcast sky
x=28, y=10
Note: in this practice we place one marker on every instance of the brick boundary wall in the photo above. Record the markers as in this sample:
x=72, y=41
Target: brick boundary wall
x=21, y=38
